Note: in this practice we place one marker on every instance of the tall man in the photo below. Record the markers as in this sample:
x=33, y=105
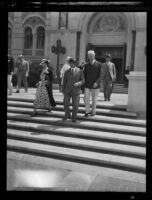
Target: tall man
x=92, y=76
x=71, y=88
x=109, y=76
x=22, y=72
x=9, y=74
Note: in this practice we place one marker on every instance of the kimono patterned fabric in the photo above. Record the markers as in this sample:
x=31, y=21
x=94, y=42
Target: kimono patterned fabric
x=42, y=98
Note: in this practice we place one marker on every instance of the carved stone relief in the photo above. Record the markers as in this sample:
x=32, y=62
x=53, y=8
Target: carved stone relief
x=109, y=23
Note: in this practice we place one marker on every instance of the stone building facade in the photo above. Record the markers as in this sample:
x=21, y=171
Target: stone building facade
x=123, y=34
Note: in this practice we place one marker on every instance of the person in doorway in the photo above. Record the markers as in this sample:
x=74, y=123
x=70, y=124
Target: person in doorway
x=71, y=88
x=10, y=73
x=44, y=96
x=109, y=76
x=125, y=78
x=92, y=76
x=22, y=73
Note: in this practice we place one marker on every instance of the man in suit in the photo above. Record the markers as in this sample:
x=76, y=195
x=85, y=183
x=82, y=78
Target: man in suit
x=9, y=73
x=22, y=72
x=71, y=88
x=109, y=76
x=92, y=76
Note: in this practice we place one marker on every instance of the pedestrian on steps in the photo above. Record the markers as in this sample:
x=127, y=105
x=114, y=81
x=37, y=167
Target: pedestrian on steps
x=44, y=93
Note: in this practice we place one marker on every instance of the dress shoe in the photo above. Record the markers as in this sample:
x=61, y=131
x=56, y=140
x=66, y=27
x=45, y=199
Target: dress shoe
x=87, y=114
x=106, y=100
x=92, y=114
x=74, y=120
x=33, y=114
x=65, y=118
x=17, y=91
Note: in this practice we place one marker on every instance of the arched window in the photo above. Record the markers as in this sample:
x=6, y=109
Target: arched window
x=28, y=38
x=40, y=38
x=9, y=38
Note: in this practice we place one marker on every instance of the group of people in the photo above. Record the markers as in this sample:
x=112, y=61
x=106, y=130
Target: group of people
x=86, y=78
x=21, y=69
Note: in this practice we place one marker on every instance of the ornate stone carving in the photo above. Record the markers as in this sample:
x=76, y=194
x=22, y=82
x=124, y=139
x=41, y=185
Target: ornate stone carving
x=33, y=21
x=109, y=23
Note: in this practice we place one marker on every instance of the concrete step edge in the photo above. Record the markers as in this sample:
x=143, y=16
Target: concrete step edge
x=77, y=135
x=95, y=119
x=117, y=128
x=82, y=145
x=74, y=157
x=113, y=107
x=125, y=114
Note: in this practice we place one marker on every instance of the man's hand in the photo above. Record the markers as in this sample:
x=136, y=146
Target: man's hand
x=95, y=85
x=76, y=84
x=26, y=74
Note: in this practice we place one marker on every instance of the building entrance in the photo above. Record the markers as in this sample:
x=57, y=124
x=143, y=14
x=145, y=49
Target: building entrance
x=118, y=54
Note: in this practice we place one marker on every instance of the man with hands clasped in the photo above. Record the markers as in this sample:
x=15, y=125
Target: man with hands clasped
x=71, y=88
x=92, y=76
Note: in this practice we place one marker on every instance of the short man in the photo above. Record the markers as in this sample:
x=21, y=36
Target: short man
x=22, y=72
x=71, y=88
x=65, y=67
x=109, y=76
x=92, y=76
x=9, y=74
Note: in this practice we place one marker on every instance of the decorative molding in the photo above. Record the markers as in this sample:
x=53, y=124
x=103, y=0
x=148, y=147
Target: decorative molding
x=110, y=23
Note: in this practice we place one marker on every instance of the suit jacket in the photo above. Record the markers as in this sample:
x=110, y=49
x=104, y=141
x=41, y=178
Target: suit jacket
x=109, y=68
x=10, y=65
x=22, y=66
x=92, y=74
x=70, y=79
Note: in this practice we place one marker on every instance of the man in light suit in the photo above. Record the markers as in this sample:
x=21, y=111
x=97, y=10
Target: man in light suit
x=109, y=76
x=22, y=72
x=71, y=88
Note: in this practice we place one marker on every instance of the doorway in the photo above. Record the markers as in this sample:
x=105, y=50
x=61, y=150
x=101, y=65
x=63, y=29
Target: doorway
x=118, y=54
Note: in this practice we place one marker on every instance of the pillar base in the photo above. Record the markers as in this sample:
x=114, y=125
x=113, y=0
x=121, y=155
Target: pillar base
x=137, y=93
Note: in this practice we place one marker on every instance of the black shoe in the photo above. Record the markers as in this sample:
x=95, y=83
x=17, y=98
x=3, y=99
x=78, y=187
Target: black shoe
x=87, y=114
x=92, y=114
x=65, y=118
x=17, y=91
x=33, y=114
x=74, y=120
x=108, y=99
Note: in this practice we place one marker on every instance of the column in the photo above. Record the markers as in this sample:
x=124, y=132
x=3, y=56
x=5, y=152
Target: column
x=17, y=36
x=137, y=78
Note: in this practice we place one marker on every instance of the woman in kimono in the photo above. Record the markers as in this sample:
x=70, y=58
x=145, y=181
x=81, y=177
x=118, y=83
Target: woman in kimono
x=44, y=95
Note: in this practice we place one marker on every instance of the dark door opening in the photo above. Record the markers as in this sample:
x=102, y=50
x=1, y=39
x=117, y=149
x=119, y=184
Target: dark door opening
x=118, y=58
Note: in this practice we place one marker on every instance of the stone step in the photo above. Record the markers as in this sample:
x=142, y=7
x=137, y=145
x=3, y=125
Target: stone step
x=30, y=100
x=77, y=143
x=107, y=112
x=97, y=118
x=140, y=131
x=89, y=135
x=81, y=156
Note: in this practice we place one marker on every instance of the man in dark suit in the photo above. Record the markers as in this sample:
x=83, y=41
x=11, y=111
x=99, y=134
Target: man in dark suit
x=71, y=88
x=109, y=76
x=92, y=76
x=9, y=73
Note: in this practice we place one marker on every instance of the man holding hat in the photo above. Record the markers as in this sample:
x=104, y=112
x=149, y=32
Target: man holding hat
x=109, y=76
x=71, y=88
x=22, y=72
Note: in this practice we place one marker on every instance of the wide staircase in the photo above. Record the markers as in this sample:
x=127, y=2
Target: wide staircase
x=118, y=88
x=114, y=138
